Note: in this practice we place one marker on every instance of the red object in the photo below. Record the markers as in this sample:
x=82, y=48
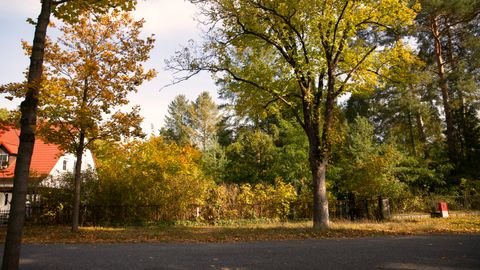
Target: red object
x=44, y=157
x=442, y=206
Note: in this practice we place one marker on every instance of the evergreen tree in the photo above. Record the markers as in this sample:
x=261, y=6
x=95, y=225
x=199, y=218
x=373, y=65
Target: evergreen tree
x=204, y=120
x=178, y=121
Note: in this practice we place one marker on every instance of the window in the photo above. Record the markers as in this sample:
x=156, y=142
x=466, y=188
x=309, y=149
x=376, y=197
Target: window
x=6, y=199
x=3, y=161
x=65, y=164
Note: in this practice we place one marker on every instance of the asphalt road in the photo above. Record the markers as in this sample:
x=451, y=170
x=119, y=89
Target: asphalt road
x=405, y=252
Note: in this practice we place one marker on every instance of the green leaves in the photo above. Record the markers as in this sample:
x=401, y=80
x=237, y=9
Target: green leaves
x=193, y=123
x=368, y=168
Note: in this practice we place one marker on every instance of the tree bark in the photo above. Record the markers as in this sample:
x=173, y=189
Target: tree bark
x=78, y=165
x=78, y=182
x=421, y=135
x=452, y=153
x=321, y=219
x=28, y=107
x=411, y=133
x=461, y=109
x=319, y=151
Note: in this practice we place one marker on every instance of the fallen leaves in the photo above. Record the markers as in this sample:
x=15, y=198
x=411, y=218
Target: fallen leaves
x=245, y=232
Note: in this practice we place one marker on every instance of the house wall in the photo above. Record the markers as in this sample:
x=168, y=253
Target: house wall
x=66, y=163
x=5, y=199
x=3, y=154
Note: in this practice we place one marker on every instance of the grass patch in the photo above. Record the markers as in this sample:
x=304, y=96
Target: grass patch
x=244, y=231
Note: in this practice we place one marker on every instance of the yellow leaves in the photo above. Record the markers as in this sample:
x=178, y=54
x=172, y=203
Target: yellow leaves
x=158, y=173
x=399, y=64
x=273, y=200
x=384, y=13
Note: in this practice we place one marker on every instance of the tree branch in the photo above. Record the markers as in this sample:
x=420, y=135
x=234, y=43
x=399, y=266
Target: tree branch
x=335, y=29
x=288, y=22
x=349, y=75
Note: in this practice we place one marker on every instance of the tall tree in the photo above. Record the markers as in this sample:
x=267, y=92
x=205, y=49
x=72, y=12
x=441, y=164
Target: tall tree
x=445, y=26
x=90, y=71
x=192, y=123
x=251, y=158
x=367, y=167
x=205, y=117
x=300, y=56
x=67, y=10
x=178, y=121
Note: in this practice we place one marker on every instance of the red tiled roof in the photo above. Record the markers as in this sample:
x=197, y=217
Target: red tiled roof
x=44, y=157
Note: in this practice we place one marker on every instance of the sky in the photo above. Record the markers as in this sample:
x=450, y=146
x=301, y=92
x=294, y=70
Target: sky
x=172, y=22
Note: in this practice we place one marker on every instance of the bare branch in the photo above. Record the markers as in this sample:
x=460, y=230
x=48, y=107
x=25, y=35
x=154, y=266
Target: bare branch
x=181, y=79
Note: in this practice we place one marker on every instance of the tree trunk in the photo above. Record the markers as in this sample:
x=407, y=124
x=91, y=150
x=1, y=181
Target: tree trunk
x=78, y=182
x=411, y=133
x=421, y=134
x=452, y=153
x=321, y=218
x=11, y=255
x=319, y=153
x=318, y=167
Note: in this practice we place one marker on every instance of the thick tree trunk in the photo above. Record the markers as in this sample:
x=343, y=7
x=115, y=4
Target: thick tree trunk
x=452, y=153
x=321, y=219
x=319, y=154
x=78, y=182
x=318, y=167
x=11, y=255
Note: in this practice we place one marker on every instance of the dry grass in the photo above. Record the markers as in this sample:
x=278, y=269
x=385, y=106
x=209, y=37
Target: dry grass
x=469, y=224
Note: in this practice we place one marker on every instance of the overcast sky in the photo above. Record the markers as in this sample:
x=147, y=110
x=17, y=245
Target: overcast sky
x=172, y=22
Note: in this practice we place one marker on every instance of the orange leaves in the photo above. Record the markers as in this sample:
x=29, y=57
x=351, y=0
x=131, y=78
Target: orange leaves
x=89, y=72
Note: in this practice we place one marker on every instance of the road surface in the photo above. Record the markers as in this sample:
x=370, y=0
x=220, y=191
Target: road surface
x=404, y=252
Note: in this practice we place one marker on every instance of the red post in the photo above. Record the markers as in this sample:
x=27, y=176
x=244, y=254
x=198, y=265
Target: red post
x=443, y=208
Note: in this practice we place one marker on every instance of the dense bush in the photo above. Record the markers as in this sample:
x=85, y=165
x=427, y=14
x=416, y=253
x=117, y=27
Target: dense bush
x=246, y=201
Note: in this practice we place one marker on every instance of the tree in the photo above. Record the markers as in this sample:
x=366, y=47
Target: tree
x=192, y=123
x=204, y=117
x=67, y=10
x=446, y=29
x=8, y=118
x=214, y=162
x=251, y=158
x=292, y=153
x=298, y=56
x=178, y=121
x=90, y=71
x=368, y=168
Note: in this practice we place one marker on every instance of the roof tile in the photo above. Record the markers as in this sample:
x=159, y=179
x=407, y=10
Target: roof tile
x=44, y=157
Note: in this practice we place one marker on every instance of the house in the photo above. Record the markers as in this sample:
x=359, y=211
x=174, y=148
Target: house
x=48, y=161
